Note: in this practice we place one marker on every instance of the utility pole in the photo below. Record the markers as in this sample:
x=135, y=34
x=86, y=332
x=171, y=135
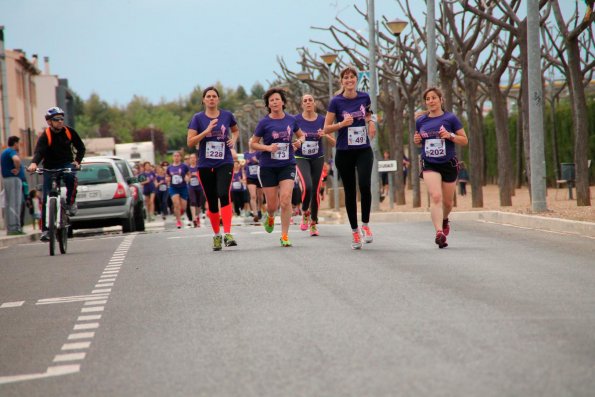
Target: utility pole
x=373, y=96
x=431, y=43
x=536, y=131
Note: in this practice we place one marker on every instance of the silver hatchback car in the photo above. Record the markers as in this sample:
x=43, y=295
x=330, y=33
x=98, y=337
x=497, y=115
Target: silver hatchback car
x=104, y=198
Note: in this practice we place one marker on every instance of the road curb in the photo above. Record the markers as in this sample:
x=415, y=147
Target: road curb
x=506, y=218
x=7, y=241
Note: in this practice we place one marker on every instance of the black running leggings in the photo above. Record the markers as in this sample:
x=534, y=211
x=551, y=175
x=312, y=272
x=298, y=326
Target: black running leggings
x=216, y=183
x=310, y=172
x=347, y=162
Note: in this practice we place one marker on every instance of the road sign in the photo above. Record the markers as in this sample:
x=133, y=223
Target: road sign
x=387, y=165
x=363, y=80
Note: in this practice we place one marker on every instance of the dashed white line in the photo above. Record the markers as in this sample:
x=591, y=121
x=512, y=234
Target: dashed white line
x=76, y=346
x=92, y=309
x=69, y=357
x=100, y=291
x=12, y=304
x=81, y=335
x=78, y=327
x=91, y=303
x=91, y=317
x=104, y=285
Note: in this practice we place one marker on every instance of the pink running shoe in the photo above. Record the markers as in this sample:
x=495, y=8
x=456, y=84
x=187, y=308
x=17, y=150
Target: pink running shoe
x=313, y=229
x=445, y=226
x=441, y=239
x=305, y=221
x=179, y=224
x=356, y=243
x=367, y=234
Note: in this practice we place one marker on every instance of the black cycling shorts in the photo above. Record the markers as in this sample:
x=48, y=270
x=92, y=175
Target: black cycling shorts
x=271, y=176
x=449, y=170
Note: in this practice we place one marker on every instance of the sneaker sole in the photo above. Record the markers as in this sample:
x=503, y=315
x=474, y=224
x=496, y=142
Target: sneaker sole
x=356, y=247
x=231, y=244
x=441, y=241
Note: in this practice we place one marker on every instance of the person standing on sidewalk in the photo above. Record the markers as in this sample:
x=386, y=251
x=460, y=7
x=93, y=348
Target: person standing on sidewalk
x=310, y=161
x=56, y=147
x=349, y=113
x=13, y=186
x=216, y=132
x=437, y=132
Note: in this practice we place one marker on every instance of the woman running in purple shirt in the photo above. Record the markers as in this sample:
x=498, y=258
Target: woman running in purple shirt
x=437, y=132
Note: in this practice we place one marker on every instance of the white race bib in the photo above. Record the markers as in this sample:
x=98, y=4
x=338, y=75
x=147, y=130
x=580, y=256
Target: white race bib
x=435, y=148
x=176, y=179
x=310, y=148
x=215, y=150
x=193, y=181
x=162, y=188
x=356, y=136
x=237, y=185
x=282, y=152
x=253, y=169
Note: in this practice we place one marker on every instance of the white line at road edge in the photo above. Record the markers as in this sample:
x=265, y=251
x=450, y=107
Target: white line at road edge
x=60, y=370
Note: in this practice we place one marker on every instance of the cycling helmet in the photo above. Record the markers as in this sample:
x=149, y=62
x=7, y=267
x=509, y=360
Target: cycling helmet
x=52, y=112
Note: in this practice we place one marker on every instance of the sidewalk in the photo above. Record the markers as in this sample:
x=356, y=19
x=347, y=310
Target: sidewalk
x=30, y=235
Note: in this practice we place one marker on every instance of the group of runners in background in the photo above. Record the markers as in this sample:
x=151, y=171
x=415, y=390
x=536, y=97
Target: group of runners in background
x=287, y=151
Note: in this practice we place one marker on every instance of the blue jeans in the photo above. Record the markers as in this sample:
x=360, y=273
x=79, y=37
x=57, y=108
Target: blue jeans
x=69, y=181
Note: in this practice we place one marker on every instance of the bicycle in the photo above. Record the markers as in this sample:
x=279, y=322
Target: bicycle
x=56, y=219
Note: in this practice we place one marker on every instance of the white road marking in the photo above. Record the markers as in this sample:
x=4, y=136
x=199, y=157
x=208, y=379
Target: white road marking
x=69, y=357
x=12, y=304
x=92, y=309
x=68, y=299
x=101, y=291
x=57, y=370
x=107, y=280
x=104, y=285
x=78, y=327
x=91, y=317
x=76, y=346
x=91, y=303
x=81, y=335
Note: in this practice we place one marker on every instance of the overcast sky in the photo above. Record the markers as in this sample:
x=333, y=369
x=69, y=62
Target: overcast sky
x=162, y=49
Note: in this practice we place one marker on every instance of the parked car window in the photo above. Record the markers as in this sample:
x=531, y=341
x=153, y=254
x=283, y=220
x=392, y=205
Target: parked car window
x=123, y=168
x=95, y=173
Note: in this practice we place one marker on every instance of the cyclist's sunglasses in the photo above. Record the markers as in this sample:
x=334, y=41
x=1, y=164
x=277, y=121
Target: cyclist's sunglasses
x=57, y=119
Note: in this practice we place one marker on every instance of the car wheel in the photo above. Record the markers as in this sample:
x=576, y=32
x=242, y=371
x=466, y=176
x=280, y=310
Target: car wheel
x=139, y=219
x=128, y=223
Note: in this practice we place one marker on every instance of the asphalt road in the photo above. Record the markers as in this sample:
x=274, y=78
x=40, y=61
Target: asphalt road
x=501, y=311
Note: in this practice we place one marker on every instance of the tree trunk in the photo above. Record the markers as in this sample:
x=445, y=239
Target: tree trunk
x=524, y=115
x=475, y=136
x=414, y=156
x=505, y=180
x=518, y=169
x=580, y=121
x=399, y=152
x=555, y=157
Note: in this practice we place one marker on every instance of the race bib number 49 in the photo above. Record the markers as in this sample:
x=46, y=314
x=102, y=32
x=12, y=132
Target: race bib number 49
x=282, y=152
x=435, y=148
x=215, y=150
x=356, y=136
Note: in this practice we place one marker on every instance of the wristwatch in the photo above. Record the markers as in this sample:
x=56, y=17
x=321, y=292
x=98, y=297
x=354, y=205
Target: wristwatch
x=452, y=136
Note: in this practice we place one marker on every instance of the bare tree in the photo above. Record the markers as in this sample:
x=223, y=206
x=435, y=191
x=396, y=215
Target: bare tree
x=576, y=71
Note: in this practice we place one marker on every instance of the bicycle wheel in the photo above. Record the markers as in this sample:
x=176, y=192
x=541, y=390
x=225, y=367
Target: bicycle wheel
x=53, y=208
x=63, y=231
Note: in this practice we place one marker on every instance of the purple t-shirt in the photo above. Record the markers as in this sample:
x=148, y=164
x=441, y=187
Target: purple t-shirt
x=278, y=131
x=236, y=182
x=149, y=187
x=433, y=148
x=194, y=183
x=356, y=135
x=213, y=150
x=177, y=173
x=251, y=166
x=161, y=183
x=312, y=148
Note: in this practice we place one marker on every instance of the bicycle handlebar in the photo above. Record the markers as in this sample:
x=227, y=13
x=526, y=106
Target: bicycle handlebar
x=54, y=171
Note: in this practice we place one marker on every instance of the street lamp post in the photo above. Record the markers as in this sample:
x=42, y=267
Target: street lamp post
x=396, y=27
x=329, y=59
